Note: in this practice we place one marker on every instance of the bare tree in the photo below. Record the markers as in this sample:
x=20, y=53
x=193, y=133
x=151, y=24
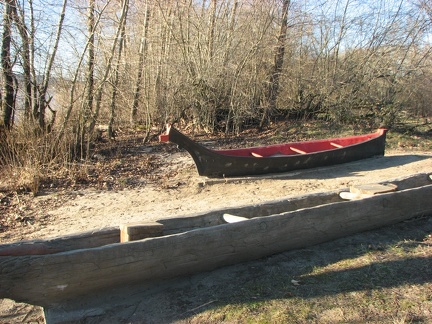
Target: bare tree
x=25, y=52
x=273, y=83
x=115, y=79
x=141, y=61
x=108, y=69
x=8, y=82
x=86, y=112
x=222, y=64
x=161, y=57
x=230, y=33
x=212, y=27
x=42, y=99
x=88, y=100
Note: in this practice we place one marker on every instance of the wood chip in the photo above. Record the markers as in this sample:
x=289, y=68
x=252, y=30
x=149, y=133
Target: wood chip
x=233, y=219
x=353, y=196
x=373, y=189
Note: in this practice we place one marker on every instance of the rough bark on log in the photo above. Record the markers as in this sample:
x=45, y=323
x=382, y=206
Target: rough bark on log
x=51, y=279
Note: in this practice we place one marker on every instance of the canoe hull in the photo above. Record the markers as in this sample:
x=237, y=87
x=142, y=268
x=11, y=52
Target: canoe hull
x=213, y=164
x=52, y=279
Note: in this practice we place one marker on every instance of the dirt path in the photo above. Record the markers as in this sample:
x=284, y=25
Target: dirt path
x=186, y=194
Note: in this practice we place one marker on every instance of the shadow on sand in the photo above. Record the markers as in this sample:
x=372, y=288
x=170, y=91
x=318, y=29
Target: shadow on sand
x=339, y=170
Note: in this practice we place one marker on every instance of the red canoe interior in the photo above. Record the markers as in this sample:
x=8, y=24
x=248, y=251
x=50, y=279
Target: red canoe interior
x=295, y=147
x=301, y=147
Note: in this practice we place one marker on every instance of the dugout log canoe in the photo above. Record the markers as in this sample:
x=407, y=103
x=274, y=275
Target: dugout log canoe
x=280, y=157
x=50, y=272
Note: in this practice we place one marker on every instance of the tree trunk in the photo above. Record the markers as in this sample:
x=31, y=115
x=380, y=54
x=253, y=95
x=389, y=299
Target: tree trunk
x=8, y=86
x=86, y=112
x=225, y=63
x=32, y=59
x=88, y=101
x=212, y=26
x=115, y=80
x=141, y=59
x=25, y=55
x=42, y=97
x=160, y=81
x=273, y=86
x=99, y=91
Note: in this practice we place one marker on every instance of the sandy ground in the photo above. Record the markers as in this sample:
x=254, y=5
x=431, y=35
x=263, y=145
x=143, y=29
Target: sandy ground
x=187, y=193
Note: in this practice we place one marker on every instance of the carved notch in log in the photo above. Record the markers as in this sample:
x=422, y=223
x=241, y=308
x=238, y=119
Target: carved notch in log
x=138, y=231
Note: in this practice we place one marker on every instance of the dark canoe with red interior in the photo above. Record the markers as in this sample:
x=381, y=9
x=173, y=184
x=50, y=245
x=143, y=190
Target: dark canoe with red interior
x=280, y=157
